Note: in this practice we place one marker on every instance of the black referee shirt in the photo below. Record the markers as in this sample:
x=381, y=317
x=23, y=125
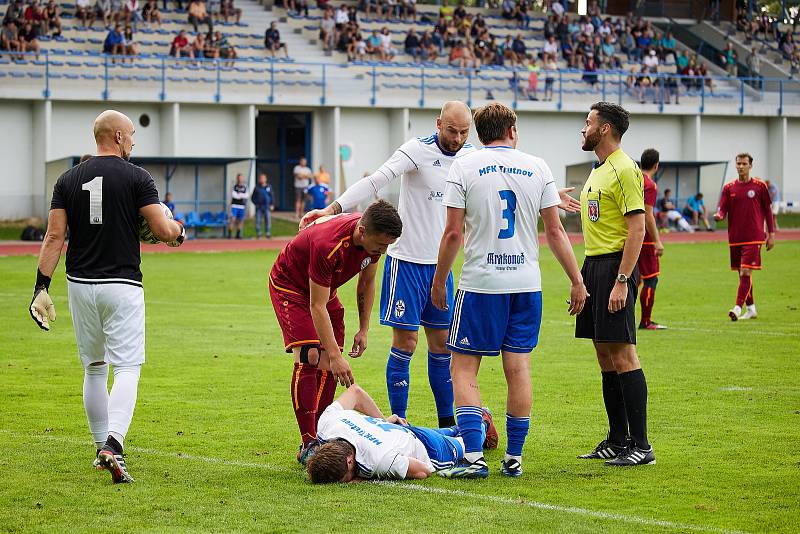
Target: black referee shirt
x=102, y=197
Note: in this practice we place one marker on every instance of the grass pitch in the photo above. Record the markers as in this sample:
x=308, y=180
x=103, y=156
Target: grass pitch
x=213, y=440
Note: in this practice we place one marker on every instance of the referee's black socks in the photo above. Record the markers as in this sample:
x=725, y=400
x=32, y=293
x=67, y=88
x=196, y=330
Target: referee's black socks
x=615, y=408
x=634, y=388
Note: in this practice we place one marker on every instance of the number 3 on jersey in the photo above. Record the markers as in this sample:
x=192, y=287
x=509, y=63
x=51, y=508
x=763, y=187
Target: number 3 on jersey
x=508, y=213
x=95, y=189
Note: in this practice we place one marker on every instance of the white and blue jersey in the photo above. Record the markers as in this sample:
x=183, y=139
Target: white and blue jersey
x=383, y=449
x=502, y=191
x=422, y=166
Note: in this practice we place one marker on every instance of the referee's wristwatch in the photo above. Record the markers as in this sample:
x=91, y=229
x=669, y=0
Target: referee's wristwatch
x=622, y=278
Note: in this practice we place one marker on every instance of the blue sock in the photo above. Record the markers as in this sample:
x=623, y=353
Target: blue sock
x=397, y=378
x=450, y=431
x=470, y=423
x=517, y=431
x=441, y=385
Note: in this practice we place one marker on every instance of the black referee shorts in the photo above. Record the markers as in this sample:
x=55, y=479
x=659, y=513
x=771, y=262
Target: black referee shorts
x=595, y=321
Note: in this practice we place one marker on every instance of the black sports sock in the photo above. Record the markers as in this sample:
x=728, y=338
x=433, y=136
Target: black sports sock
x=615, y=408
x=113, y=445
x=447, y=422
x=634, y=388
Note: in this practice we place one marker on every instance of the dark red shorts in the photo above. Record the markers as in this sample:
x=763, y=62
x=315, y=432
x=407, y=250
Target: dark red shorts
x=294, y=318
x=648, y=262
x=746, y=256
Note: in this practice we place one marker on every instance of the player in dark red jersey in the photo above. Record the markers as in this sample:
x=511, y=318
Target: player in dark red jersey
x=747, y=205
x=652, y=248
x=302, y=286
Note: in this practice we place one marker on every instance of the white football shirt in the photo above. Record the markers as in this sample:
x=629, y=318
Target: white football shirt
x=502, y=191
x=422, y=168
x=382, y=449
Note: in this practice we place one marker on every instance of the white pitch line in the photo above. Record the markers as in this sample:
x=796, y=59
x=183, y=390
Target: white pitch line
x=572, y=510
x=557, y=508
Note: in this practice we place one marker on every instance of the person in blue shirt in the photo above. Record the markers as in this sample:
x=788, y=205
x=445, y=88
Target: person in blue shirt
x=318, y=194
x=114, y=43
x=169, y=203
x=695, y=211
x=263, y=201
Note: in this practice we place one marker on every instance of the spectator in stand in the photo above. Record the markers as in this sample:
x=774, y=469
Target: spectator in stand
x=15, y=13
x=114, y=43
x=181, y=47
x=607, y=56
x=507, y=52
x=36, y=17
x=590, y=70
x=103, y=11
x=132, y=12
x=52, y=17
x=682, y=60
x=666, y=46
x=412, y=45
x=9, y=39
x=229, y=10
x=117, y=13
x=199, y=15
x=702, y=71
x=550, y=46
x=151, y=13
x=214, y=8
x=445, y=11
x=130, y=44
x=533, y=78
x=550, y=69
x=519, y=48
x=695, y=210
x=507, y=9
x=651, y=60
x=29, y=39
x=84, y=13
x=727, y=59
x=643, y=82
x=387, y=51
x=272, y=40
x=341, y=18
x=373, y=44
x=226, y=49
x=627, y=45
x=211, y=50
x=430, y=51
x=263, y=201
x=408, y=8
x=357, y=48
x=327, y=31
x=390, y=9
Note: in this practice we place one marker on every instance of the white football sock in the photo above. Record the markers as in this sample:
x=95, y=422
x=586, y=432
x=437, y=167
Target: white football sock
x=737, y=310
x=122, y=401
x=685, y=225
x=95, y=401
x=508, y=457
x=751, y=308
x=473, y=457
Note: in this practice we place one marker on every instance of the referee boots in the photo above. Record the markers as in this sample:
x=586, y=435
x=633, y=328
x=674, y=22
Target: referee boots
x=633, y=455
x=605, y=450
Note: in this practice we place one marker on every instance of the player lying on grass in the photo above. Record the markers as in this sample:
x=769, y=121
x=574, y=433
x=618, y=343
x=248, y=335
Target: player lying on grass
x=302, y=286
x=359, y=443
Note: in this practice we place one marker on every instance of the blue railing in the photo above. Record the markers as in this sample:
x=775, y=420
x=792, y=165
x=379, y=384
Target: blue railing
x=381, y=84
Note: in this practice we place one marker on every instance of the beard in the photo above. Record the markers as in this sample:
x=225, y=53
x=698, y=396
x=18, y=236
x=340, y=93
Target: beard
x=591, y=141
x=451, y=146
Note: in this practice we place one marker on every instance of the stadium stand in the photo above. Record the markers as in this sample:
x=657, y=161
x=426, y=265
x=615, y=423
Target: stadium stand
x=504, y=52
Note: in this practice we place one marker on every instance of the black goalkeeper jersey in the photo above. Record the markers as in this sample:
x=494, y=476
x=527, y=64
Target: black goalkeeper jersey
x=102, y=197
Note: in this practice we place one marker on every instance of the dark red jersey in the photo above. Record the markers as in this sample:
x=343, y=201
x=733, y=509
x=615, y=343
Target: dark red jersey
x=747, y=206
x=323, y=252
x=650, y=194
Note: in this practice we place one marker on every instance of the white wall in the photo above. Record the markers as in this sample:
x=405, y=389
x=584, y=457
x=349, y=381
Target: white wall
x=16, y=153
x=722, y=138
x=207, y=131
x=368, y=131
x=790, y=189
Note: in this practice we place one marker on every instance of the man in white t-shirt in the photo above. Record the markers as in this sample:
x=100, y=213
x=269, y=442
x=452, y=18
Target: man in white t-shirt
x=357, y=442
x=302, y=181
x=497, y=194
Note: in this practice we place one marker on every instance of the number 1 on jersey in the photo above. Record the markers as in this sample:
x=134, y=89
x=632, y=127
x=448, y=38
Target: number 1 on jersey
x=508, y=213
x=95, y=189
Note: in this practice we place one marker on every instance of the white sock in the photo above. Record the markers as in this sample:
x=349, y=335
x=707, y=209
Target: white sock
x=685, y=225
x=122, y=401
x=737, y=310
x=95, y=401
x=751, y=308
x=508, y=457
x=473, y=457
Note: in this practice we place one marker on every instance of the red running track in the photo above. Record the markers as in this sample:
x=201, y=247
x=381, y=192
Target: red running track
x=22, y=248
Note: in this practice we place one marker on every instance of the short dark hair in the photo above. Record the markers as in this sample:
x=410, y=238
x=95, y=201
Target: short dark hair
x=649, y=158
x=492, y=122
x=699, y=195
x=613, y=114
x=667, y=191
x=382, y=218
x=328, y=464
x=745, y=155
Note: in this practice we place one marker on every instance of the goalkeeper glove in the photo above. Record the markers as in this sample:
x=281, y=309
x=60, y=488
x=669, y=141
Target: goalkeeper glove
x=42, y=307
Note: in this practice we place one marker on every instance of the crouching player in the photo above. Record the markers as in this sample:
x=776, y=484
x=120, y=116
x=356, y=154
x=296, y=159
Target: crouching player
x=359, y=443
x=302, y=286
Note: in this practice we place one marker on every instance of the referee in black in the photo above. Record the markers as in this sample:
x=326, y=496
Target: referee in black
x=100, y=201
x=612, y=217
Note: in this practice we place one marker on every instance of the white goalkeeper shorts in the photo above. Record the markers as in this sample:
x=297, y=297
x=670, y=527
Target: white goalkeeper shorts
x=109, y=322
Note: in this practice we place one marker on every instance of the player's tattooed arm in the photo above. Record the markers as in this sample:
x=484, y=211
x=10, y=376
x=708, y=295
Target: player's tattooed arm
x=336, y=208
x=365, y=297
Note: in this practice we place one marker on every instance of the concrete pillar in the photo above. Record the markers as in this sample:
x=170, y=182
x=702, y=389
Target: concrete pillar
x=42, y=114
x=691, y=126
x=777, y=147
x=170, y=128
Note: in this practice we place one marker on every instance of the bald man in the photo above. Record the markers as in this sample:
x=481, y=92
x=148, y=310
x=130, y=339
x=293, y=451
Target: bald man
x=100, y=200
